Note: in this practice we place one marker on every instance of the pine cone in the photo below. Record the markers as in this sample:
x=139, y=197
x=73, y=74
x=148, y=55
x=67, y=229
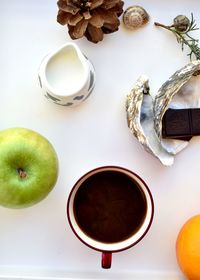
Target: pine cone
x=90, y=18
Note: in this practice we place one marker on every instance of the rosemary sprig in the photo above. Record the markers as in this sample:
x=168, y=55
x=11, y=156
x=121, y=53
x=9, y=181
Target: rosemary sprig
x=184, y=37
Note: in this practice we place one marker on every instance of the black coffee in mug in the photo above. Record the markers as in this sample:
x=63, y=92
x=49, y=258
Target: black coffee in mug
x=110, y=206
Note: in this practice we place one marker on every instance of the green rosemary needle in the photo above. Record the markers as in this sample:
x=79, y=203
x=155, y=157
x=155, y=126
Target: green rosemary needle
x=182, y=33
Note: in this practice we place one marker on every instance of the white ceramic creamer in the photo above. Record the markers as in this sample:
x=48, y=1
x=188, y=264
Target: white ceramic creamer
x=66, y=76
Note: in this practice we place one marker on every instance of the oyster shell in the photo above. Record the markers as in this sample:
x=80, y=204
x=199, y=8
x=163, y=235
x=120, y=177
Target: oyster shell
x=139, y=107
x=169, y=89
x=145, y=113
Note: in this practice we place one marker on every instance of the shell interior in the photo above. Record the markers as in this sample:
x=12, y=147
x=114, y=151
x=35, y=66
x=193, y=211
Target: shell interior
x=139, y=108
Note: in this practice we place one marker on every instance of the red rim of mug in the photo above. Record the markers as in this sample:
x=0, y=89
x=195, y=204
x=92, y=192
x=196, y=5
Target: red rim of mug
x=120, y=169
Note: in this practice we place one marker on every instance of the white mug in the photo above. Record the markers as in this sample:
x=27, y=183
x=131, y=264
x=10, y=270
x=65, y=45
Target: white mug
x=66, y=76
x=107, y=248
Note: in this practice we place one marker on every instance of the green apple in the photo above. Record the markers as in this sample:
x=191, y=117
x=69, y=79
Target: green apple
x=28, y=167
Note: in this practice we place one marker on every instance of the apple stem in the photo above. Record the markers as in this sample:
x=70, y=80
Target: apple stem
x=22, y=173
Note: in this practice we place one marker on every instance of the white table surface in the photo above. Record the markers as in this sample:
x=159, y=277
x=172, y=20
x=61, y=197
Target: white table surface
x=37, y=242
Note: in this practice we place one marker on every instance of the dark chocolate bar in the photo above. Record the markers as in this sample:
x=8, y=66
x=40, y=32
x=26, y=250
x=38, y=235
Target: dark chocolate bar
x=181, y=123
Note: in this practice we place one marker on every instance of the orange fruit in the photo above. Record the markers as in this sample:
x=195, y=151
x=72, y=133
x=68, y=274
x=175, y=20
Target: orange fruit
x=188, y=248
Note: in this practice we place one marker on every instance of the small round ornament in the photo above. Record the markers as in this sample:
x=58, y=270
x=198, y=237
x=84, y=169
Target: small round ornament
x=181, y=23
x=135, y=16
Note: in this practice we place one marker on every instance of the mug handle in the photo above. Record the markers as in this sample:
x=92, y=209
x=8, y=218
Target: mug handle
x=106, y=259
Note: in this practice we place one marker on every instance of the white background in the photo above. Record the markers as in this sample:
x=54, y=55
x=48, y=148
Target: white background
x=37, y=241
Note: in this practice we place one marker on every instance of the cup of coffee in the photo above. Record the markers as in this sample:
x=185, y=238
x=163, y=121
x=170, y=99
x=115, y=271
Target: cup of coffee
x=110, y=209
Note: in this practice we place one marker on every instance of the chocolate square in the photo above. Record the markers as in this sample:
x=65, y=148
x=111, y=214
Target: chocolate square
x=195, y=121
x=176, y=123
